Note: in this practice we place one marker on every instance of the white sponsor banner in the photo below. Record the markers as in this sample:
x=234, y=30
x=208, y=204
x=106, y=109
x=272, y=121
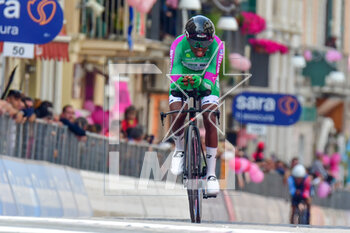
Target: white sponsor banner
x=20, y=50
x=256, y=129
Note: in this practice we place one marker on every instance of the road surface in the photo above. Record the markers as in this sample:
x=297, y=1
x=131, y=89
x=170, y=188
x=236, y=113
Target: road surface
x=46, y=225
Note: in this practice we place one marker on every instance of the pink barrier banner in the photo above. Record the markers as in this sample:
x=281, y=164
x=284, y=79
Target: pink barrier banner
x=122, y=97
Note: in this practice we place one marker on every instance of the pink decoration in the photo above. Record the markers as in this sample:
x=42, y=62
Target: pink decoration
x=254, y=168
x=142, y=6
x=335, y=171
x=235, y=164
x=98, y=115
x=90, y=121
x=257, y=177
x=245, y=165
x=323, y=190
x=78, y=114
x=89, y=105
x=335, y=159
x=268, y=46
x=239, y=62
x=251, y=23
x=326, y=160
x=333, y=55
x=308, y=55
x=122, y=101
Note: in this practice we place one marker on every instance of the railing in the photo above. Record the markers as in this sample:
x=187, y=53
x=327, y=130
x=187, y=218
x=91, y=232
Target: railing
x=55, y=143
x=109, y=25
x=273, y=186
x=113, y=23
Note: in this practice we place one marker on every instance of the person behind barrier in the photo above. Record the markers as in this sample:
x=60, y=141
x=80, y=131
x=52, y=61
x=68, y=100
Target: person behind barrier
x=130, y=121
x=44, y=111
x=67, y=118
x=14, y=98
x=299, y=188
x=258, y=155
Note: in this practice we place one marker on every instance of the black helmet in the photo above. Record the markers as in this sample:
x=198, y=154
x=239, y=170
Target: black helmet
x=200, y=31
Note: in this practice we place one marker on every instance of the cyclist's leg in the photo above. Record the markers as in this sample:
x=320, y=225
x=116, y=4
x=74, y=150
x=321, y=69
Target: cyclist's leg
x=211, y=142
x=295, y=203
x=293, y=208
x=308, y=206
x=177, y=120
x=211, y=135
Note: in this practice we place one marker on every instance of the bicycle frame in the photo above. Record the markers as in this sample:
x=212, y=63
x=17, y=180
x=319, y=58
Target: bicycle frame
x=194, y=171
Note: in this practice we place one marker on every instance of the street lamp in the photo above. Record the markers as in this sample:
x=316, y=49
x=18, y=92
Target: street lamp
x=228, y=23
x=186, y=5
x=298, y=62
x=335, y=78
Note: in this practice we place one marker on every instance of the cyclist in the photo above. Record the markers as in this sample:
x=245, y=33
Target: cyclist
x=299, y=188
x=197, y=54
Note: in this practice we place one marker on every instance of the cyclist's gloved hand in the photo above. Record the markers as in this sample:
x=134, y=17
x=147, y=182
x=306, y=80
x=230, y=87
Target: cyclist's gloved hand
x=206, y=85
x=173, y=87
x=196, y=81
x=181, y=83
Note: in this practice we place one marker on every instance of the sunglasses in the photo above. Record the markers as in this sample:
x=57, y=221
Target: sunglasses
x=199, y=44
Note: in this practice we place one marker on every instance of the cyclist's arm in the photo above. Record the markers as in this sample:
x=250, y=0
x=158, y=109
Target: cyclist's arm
x=175, y=59
x=291, y=185
x=213, y=70
x=307, y=188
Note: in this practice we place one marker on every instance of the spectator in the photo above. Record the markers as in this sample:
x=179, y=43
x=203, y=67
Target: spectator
x=82, y=123
x=280, y=167
x=5, y=107
x=149, y=138
x=258, y=155
x=28, y=109
x=14, y=98
x=135, y=134
x=45, y=111
x=317, y=168
x=95, y=128
x=67, y=118
x=129, y=121
x=294, y=162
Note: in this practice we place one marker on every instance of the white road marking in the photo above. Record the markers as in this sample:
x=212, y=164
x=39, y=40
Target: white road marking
x=34, y=230
x=127, y=224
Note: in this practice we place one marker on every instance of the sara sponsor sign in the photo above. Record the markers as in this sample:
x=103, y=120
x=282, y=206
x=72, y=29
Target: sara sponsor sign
x=31, y=21
x=268, y=109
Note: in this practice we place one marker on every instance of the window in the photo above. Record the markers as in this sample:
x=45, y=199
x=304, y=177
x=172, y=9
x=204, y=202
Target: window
x=259, y=70
x=248, y=5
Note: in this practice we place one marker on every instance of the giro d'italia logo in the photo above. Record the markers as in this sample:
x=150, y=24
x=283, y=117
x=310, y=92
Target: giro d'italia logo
x=41, y=11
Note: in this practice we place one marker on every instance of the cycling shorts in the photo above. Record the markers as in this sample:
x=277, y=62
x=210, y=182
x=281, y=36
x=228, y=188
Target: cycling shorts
x=297, y=199
x=210, y=99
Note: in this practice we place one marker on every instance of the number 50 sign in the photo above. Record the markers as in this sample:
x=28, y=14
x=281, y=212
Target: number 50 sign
x=20, y=50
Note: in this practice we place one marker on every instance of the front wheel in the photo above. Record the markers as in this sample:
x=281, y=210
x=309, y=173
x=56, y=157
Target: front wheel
x=193, y=172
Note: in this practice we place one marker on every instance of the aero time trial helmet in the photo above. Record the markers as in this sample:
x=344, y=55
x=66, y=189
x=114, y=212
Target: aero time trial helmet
x=200, y=31
x=299, y=171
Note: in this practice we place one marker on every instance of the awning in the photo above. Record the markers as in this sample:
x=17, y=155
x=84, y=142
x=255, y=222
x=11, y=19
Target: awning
x=53, y=50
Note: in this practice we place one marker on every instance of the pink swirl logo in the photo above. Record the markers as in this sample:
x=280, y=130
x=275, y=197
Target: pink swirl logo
x=38, y=5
